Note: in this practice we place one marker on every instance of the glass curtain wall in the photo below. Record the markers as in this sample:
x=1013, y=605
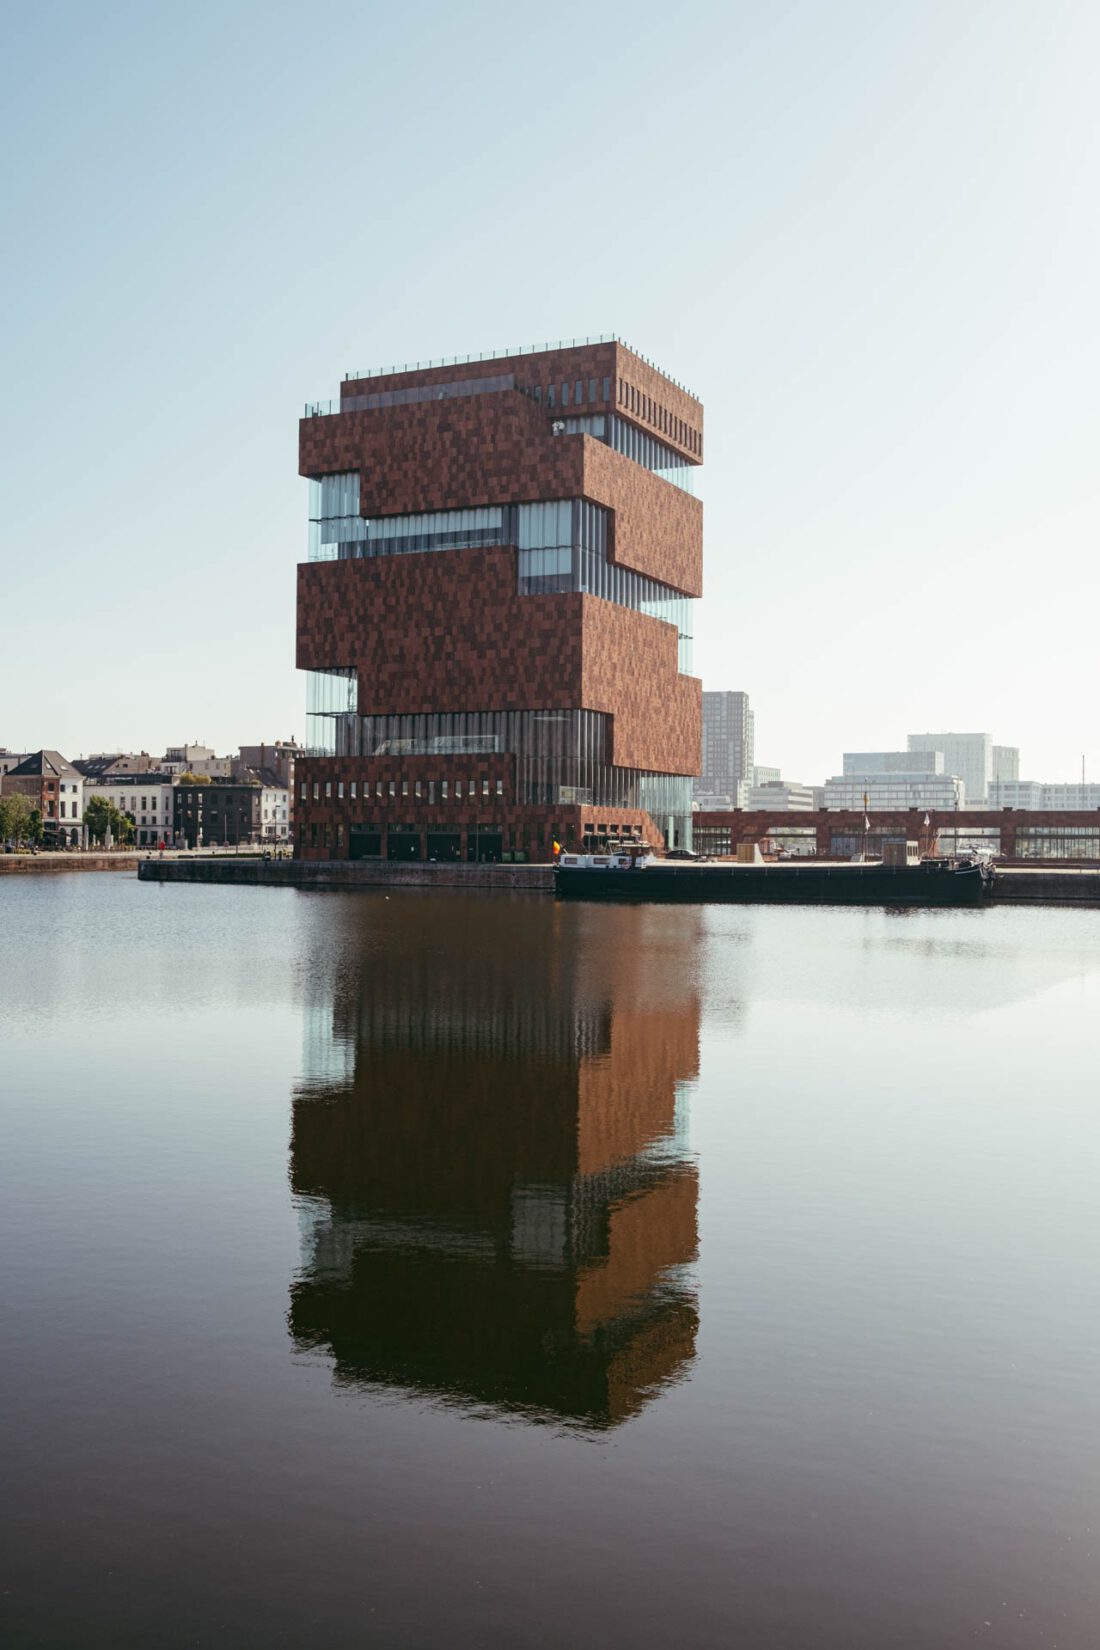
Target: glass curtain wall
x=337, y=532
x=651, y=454
x=331, y=700
x=561, y=755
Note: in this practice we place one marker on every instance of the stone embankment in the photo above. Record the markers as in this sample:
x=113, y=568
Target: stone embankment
x=13, y=864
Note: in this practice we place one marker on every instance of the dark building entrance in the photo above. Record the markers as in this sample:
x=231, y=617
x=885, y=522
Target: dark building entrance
x=402, y=843
x=444, y=845
x=364, y=844
x=485, y=847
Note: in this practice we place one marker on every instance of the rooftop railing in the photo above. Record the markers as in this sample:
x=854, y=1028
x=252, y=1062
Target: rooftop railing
x=508, y=354
x=405, y=397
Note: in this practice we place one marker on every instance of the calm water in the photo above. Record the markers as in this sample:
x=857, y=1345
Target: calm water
x=453, y=1271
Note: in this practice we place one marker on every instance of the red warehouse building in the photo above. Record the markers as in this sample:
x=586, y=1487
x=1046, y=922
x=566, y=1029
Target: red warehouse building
x=496, y=610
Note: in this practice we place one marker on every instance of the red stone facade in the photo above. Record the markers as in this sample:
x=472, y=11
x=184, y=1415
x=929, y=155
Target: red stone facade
x=637, y=389
x=500, y=449
x=448, y=631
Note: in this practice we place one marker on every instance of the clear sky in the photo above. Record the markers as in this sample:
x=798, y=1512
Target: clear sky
x=866, y=234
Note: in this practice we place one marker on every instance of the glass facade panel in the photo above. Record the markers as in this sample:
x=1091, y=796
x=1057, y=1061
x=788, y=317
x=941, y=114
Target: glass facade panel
x=331, y=700
x=563, y=546
x=338, y=533
x=1058, y=842
x=334, y=519
x=646, y=450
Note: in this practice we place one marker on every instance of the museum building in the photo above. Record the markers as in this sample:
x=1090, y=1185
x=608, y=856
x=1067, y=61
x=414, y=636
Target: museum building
x=496, y=612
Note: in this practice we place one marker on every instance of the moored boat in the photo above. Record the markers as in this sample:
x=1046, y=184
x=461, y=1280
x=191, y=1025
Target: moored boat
x=802, y=882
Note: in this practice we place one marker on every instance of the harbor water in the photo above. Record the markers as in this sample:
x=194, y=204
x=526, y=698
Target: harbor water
x=415, y=1268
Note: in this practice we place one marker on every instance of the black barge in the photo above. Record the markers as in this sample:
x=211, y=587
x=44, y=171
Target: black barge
x=931, y=882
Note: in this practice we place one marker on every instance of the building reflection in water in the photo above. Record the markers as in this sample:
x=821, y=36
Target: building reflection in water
x=489, y=1155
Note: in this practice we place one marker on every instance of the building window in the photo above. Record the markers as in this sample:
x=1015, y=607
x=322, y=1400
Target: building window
x=303, y=791
x=484, y=787
x=417, y=790
x=458, y=790
x=591, y=389
x=316, y=790
x=565, y=395
x=443, y=789
x=393, y=787
x=340, y=790
x=404, y=788
x=354, y=789
x=328, y=789
x=500, y=787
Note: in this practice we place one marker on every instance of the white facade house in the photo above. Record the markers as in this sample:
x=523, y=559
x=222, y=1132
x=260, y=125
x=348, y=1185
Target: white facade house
x=56, y=789
x=196, y=759
x=275, y=813
x=147, y=798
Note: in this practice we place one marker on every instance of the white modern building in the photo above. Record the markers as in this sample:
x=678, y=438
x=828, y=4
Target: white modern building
x=1033, y=793
x=969, y=755
x=857, y=763
x=1006, y=763
x=718, y=802
x=879, y=792
x=782, y=796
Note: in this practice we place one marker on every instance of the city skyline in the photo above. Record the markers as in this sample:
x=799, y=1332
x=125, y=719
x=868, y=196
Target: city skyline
x=876, y=269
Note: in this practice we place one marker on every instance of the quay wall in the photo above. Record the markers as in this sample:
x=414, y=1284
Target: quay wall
x=15, y=864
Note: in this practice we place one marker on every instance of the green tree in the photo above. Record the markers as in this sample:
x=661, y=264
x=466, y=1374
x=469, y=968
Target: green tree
x=34, y=826
x=101, y=815
x=190, y=778
x=15, y=817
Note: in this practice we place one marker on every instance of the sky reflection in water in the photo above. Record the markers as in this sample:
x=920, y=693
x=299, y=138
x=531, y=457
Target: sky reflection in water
x=484, y=1271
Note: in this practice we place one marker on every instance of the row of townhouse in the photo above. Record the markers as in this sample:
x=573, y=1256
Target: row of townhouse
x=189, y=799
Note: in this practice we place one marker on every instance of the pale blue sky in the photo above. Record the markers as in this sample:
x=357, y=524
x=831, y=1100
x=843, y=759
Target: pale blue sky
x=865, y=234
